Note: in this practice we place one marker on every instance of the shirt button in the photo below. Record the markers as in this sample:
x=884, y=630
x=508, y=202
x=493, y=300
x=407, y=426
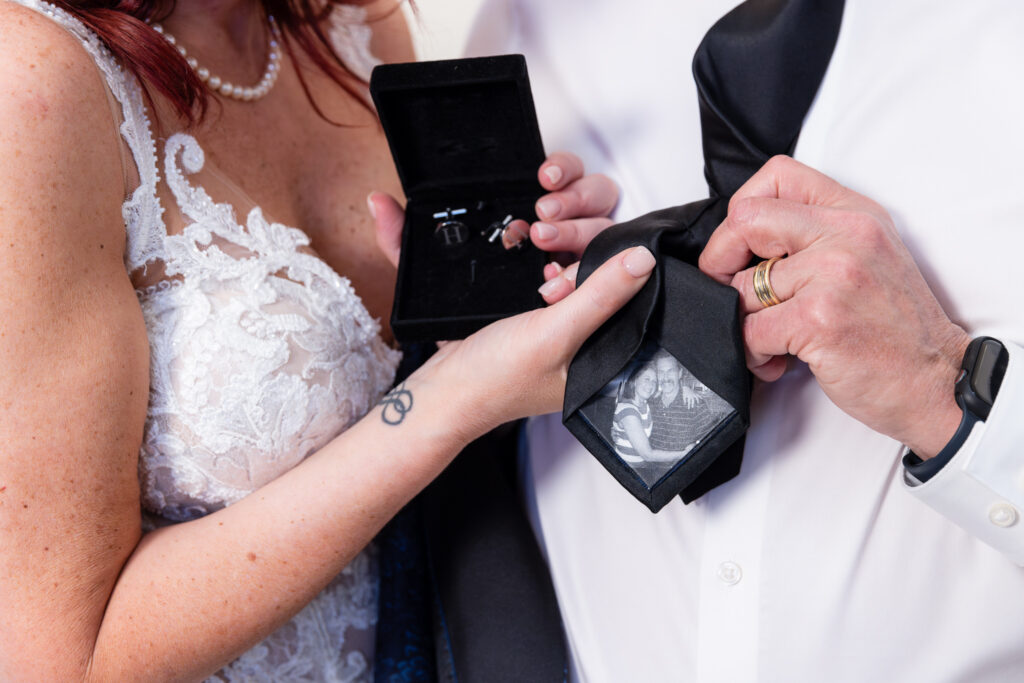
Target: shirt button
x=1002, y=514
x=729, y=573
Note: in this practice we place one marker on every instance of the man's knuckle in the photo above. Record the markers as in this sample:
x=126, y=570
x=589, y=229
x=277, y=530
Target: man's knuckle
x=743, y=212
x=733, y=201
x=865, y=228
x=751, y=329
x=823, y=313
x=744, y=284
x=780, y=163
x=844, y=269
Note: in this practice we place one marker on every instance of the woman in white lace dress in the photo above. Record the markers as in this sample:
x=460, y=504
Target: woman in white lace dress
x=167, y=341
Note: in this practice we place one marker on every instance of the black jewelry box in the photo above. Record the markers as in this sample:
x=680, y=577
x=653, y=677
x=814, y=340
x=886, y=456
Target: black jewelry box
x=464, y=137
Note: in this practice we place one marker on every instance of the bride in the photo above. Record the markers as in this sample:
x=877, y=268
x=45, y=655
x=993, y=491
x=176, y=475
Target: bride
x=171, y=344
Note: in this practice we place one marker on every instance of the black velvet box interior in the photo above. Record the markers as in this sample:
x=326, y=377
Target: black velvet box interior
x=464, y=135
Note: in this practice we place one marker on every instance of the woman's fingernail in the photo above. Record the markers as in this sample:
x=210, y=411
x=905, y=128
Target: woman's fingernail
x=570, y=272
x=548, y=207
x=554, y=174
x=550, y=286
x=546, y=231
x=639, y=261
x=512, y=236
x=370, y=205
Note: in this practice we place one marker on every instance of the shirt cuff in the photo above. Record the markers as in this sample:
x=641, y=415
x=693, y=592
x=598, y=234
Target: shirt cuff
x=982, y=487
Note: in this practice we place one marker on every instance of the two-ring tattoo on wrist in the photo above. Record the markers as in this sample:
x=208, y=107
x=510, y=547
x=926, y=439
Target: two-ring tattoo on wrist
x=395, y=404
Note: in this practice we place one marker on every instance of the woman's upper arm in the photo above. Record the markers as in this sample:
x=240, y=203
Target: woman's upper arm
x=634, y=429
x=73, y=354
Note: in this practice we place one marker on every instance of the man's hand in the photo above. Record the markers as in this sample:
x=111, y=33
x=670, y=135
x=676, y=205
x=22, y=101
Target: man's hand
x=688, y=395
x=854, y=306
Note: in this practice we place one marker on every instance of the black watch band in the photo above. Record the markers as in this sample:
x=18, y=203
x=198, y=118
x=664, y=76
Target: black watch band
x=981, y=375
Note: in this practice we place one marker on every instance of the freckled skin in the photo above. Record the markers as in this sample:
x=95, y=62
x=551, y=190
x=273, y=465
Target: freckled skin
x=308, y=173
x=82, y=374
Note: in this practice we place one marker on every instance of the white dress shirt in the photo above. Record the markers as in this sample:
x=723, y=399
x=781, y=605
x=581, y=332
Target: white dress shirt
x=817, y=563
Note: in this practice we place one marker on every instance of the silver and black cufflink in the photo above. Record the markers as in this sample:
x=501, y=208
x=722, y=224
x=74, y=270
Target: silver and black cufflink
x=449, y=230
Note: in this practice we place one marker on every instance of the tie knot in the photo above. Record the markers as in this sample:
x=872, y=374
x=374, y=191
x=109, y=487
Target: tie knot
x=757, y=72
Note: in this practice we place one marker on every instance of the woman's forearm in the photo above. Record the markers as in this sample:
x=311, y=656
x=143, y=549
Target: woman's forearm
x=193, y=596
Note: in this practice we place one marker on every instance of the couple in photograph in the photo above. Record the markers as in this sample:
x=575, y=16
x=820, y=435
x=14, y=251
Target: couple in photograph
x=661, y=413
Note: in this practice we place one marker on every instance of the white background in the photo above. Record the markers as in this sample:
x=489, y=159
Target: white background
x=441, y=29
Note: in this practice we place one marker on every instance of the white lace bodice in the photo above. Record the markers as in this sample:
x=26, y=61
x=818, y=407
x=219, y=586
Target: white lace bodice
x=259, y=352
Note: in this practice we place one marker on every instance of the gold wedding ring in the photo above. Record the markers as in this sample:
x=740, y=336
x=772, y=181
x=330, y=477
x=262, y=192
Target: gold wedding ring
x=763, y=285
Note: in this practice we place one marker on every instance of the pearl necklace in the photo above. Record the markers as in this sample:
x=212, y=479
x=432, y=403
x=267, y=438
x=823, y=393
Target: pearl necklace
x=226, y=88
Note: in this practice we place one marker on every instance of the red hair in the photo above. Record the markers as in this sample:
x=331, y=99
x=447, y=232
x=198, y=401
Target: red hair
x=123, y=25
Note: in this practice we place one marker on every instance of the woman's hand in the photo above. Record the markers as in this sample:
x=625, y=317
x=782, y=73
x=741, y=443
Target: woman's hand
x=517, y=366
x=389, y=216
x=854, y=306
x=575, y=209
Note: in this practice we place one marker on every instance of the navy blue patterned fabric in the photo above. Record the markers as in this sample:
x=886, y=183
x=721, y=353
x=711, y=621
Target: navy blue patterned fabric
x=405, y=643
x=405, y=640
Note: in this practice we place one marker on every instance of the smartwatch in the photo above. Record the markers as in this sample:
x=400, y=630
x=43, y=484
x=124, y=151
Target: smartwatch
x=981, y=375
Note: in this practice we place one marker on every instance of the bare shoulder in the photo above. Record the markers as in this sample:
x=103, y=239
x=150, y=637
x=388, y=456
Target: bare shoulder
x=50, y=83
x=61, y=185
x=61, y=179
x=59, y=134
x=36, y=47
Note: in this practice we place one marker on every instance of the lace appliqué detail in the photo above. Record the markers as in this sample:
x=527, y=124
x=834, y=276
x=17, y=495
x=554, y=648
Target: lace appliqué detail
x=260, y=353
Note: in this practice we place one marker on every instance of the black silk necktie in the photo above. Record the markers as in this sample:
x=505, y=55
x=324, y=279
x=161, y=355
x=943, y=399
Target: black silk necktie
x=757, y=72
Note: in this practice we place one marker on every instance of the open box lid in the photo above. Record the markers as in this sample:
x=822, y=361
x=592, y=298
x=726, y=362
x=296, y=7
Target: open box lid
x=460, y=124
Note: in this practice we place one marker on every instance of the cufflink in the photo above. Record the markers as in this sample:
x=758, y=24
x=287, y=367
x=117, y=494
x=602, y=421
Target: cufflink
x=449, y=231
x=509, y=234
x=494, y=230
